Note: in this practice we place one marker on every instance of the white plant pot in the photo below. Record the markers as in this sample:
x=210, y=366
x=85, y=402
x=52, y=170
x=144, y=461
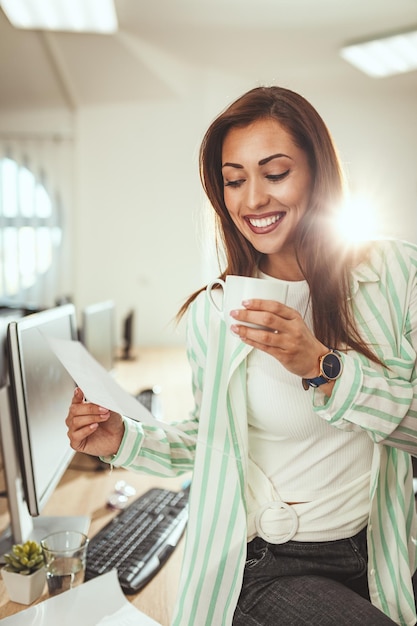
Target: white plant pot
x=24, y=589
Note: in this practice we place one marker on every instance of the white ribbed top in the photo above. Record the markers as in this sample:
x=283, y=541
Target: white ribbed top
x=306, y=459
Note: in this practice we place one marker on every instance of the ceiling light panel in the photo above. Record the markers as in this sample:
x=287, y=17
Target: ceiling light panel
x=385, y=56
x=93, y=16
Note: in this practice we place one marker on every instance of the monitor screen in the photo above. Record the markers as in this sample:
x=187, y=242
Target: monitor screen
x=40, y=393
x=98, y=332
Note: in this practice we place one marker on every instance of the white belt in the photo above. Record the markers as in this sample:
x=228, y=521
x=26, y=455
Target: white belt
x=276, y=522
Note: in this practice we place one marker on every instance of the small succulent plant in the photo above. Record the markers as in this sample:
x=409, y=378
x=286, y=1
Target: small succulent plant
x=24, y=558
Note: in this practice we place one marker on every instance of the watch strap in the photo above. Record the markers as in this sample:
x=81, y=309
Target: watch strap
x=314, y=382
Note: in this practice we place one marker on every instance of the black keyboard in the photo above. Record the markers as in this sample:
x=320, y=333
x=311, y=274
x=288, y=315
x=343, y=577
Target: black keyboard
x=139, y=540
x=145, y=397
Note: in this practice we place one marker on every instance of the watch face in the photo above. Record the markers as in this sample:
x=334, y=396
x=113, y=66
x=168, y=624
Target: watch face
x=331, y=366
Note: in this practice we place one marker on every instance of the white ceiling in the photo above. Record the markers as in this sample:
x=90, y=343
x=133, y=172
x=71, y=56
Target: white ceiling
x=267, y=40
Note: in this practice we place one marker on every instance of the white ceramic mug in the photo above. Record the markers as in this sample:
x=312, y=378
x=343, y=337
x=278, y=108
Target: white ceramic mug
x=235, y=289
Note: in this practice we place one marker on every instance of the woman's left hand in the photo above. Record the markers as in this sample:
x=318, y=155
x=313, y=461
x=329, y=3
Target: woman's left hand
x=288, y=338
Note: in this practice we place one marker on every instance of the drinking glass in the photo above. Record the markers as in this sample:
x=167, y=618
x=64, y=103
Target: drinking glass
x=65, y=559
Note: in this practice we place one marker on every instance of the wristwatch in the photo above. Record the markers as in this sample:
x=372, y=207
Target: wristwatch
x=331, y=367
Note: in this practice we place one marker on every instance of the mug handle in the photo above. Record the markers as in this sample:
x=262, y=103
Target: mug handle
x=209, y=288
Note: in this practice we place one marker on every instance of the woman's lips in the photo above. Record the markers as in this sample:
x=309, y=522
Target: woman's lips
x=264, y=224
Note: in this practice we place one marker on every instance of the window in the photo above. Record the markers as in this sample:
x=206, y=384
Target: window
x=30, y=230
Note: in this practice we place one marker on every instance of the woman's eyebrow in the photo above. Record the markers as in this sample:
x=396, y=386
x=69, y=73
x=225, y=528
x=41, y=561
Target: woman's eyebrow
x=261, y=162
x=273, y=156
x=233, y=165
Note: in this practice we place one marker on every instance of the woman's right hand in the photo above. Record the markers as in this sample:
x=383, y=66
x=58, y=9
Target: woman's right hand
x=93, y=429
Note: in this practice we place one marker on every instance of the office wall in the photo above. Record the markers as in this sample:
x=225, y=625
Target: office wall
x=136, y=200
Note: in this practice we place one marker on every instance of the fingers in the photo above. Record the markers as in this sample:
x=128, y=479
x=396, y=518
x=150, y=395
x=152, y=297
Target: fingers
x=267, y=340
x=78, y=396
x=91, y=428
x=83, y=421
x=79, y=438
x=271, y=306
x=265, y=314
x=83, y=413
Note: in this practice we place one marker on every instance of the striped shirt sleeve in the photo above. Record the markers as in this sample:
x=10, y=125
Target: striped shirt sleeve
x=382, y=400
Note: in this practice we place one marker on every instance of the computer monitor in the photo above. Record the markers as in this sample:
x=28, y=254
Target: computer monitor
x=128, y=333
x=98, y=333
x=33, y=407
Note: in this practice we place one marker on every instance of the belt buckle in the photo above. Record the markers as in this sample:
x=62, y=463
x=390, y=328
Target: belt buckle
x=275, y=538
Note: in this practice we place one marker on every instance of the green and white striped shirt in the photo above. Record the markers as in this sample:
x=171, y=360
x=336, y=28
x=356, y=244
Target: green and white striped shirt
x=213, y=443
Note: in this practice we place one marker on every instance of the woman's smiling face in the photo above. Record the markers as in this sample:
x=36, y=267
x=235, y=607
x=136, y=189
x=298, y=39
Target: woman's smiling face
x=267, y=184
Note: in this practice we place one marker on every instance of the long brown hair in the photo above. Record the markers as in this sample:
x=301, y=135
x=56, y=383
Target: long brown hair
x=324, y=259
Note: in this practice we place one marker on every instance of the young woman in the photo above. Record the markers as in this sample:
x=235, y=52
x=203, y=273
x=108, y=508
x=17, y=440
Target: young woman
x=302, y=506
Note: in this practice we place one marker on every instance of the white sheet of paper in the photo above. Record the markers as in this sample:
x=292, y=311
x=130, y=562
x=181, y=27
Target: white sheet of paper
x=98, y=602
x=97, y=384
x=126, y=617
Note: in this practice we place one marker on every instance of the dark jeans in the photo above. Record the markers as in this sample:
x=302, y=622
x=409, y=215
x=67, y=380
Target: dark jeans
x=319, y=584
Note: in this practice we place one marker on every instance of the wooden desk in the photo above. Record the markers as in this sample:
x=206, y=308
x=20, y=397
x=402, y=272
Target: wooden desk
x=83, y=490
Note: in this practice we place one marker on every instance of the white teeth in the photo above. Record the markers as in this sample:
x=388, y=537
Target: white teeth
x=264, y=221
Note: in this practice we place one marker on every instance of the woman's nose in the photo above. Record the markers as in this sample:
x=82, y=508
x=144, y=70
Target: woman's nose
x=256, y=195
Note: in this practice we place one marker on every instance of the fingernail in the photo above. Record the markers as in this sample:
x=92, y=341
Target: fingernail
x=101, y=409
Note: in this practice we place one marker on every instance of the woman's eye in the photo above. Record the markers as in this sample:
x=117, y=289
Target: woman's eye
x=275, y=177
x=233, y=183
